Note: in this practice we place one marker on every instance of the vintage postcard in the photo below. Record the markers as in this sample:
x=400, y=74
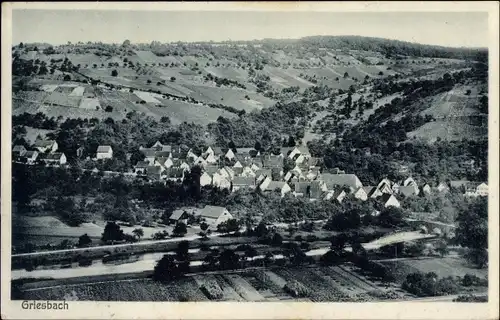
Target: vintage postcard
x=286, y=160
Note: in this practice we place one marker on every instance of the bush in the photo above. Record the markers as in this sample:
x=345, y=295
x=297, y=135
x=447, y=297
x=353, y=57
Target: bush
x=212, y=290
x=109, y=109
x=296, y=289
x=114, y=73
x=471, y=298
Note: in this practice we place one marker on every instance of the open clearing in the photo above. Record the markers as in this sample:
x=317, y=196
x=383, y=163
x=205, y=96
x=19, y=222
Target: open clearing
x=443, y=267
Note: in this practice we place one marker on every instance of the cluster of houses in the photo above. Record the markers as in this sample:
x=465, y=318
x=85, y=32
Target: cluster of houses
x=292, y=171
x=44, y=151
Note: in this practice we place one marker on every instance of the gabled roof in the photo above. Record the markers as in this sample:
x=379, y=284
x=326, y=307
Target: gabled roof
x=174, y=172
x=153, y=170
x=286, y=150
x=177, y=214
x=212, y=212
x=273, y=185
x=350, y=180
x=147, y=152
x=459, y=183
x=165, y=154
x=244, y=181
x=161, y=160
x=385, y=197
x=303, y=150
x=408, y=191
x=217, y=150
x=166, y=148
x=44, y=143
x=30, y=154
x=272, y=161
x=52, y=156
x=211, y=169
x=302, y=186
x=103, y=149
x=18, y=148
x=142, y=164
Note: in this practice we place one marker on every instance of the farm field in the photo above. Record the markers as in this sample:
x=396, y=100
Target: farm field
x=443, y=267
x=179, y=112
x=230, y=97
x=322, y=284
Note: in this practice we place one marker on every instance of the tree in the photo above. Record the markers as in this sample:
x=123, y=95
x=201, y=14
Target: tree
x=138, y=233
x=472, y=231
x=276, y=240
x=112, y=232
x=228, y=259
x=346, y=75
x=228, y=226
x=391, y=217
x=172, y=79
x=108, y=109
x=84, y=241
x=67, y=77
x=126, y=43
x=114, y=73
x=180, y=229
x=204, y=226
x=166, y=269
x=182, y=251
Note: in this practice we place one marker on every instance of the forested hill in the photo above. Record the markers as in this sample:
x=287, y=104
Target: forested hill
x=390, y=48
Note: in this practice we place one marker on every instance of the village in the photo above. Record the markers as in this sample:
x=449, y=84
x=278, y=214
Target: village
x=292, y=171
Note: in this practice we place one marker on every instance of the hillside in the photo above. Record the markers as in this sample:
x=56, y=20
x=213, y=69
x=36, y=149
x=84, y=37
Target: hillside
x=355, y=92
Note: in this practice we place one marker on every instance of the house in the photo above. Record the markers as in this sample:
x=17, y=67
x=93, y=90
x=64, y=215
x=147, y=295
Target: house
x=254, y=167
x=46, y=145
x=209, y=150
x=200, y=161
x=386, y=185
x=179, y=216
x=385, y=188
x=158, y=145
x=360, y=194
x=210, y=158
x=459, y=184
x=154, y=172
x=409, y=182
x=56, y=158
x=247, y=172
x=140, y=167
x=30, y=157
x=389, y=200
x=247, y=152
x=230, y=154
x=18, y=151
x=313, y=173
x=268, y=185
x=214, y=215
x=104, y=152
x=302, y=189
x=191, y=155
x=174, y=174
x=338, y=195
x=238, y=168
x=345, y=180
x=395, y=187
x=272, y=161
x=205, y=179
x=260, y=175
x=482, y=190
x=372, y=192
x=442, y=187
x=426, y=189
x=409, y=191
x=221, y=181
x=149, y=155
x=243, y=183
x=227, y=173
x=304, y=151
x=163, y=162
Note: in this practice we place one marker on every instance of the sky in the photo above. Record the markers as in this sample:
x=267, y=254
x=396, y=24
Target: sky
x=454, y=29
